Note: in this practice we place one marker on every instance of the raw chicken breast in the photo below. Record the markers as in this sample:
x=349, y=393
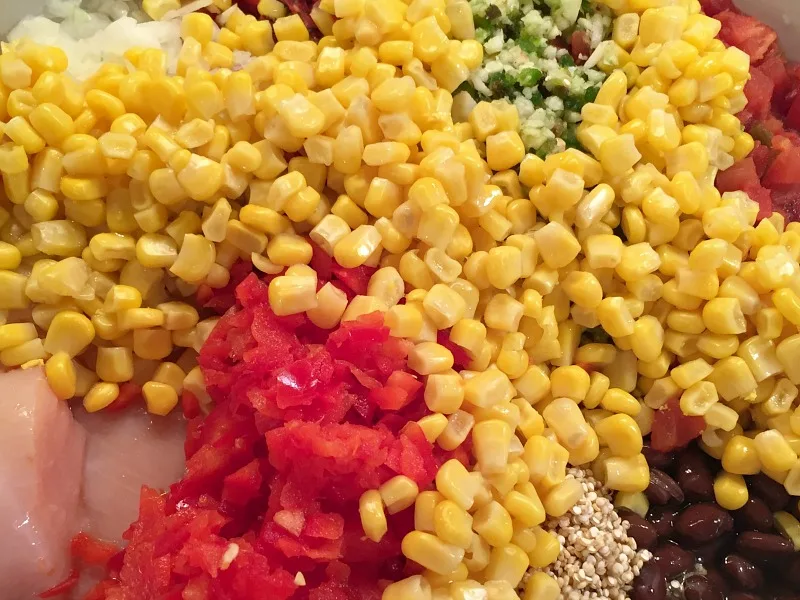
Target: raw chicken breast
x=41, y=456
x=123, y=452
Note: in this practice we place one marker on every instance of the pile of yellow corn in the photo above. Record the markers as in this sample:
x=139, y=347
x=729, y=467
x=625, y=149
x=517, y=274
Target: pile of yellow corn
x=126, y=193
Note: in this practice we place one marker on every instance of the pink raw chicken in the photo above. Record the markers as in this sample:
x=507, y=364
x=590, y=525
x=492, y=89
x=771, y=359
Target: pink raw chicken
x=123, y=452
x=41, y=455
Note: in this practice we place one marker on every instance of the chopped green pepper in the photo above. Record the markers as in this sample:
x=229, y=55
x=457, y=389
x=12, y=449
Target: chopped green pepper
x=761, y=133
x=595, y=335
x=529, y=77
x=501, y=83
x=546, y=148
x=565, y=60
x=531, y=44
x=570, y=137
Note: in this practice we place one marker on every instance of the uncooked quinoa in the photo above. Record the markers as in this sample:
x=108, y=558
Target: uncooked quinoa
x=598, y=558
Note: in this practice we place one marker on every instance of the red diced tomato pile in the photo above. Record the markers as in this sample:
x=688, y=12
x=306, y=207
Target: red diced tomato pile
x=771, y=174
x=304, y=422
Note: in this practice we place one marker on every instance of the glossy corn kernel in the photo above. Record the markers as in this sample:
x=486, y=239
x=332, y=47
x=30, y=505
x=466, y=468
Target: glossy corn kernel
x=69, y=332
x=627, y=474
x=730, y=491
x=431, y=552
x=159, y=398
x=740, y=456
x=100, y=396
x=60, y=372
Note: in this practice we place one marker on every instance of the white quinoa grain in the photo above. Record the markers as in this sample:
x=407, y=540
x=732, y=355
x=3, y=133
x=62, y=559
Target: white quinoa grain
x=598, y=559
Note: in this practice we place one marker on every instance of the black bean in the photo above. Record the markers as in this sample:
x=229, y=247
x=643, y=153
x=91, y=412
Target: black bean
x=659, y=460
x=663, y=519
x=755, y=544
x=663, y=488
x=717, y=580
x=650, y=584
x=694, y=476
x=755, y=515
x=794, y=508
x=709, y=553
x=791, y=572
x=702, y=523
x=640, y=530
x=698, y=587
x=770, y=491
x=672, y=559
x=745, y=574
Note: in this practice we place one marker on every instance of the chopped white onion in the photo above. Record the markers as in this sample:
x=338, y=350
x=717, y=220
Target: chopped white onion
x=193, y=6
x=97, y=31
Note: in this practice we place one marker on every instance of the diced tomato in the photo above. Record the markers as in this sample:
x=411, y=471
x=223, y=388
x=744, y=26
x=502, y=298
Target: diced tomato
x=461, y=357
x=91, y=551
x=389, y=397
x=62, y=587
x=747, y=34
x=793, y=114
x=759, y=94
x=189, y=404
x=672, y=429
x=356, y=279
x=712, y=7
x=243, y=485
x=787, y=202
x=741, y=176
x=774, y=67
x=784, y=172
x=129, y=392
x=781, y=139
x=764, y=198
x=580, y=47
x=762, y=156
x=775, y=127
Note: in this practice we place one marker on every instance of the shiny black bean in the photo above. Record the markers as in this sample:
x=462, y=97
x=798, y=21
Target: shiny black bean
x=709, y=553
x=755, y=544
x=694, y=476
x=745, y=574
x=663, y=519
x=663, y=488
x=770, y=491
x=794, y=509
x=650, y=584
x=717, y=580
x=702, y=523
x=659, y=460
x=755, y=515
x=791, y=572
x=672, y=559
x=640, y=530
x=699, y=587
x=743, y=596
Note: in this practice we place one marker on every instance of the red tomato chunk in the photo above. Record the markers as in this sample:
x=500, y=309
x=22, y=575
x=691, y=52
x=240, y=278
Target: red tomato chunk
x=304, y=422
x=672, y=429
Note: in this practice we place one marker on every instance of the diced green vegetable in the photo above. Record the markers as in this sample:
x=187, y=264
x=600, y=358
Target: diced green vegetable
x=501, y=83
x=546, y=148
x=530, y=44
x=529, y=77
x=566, y=60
